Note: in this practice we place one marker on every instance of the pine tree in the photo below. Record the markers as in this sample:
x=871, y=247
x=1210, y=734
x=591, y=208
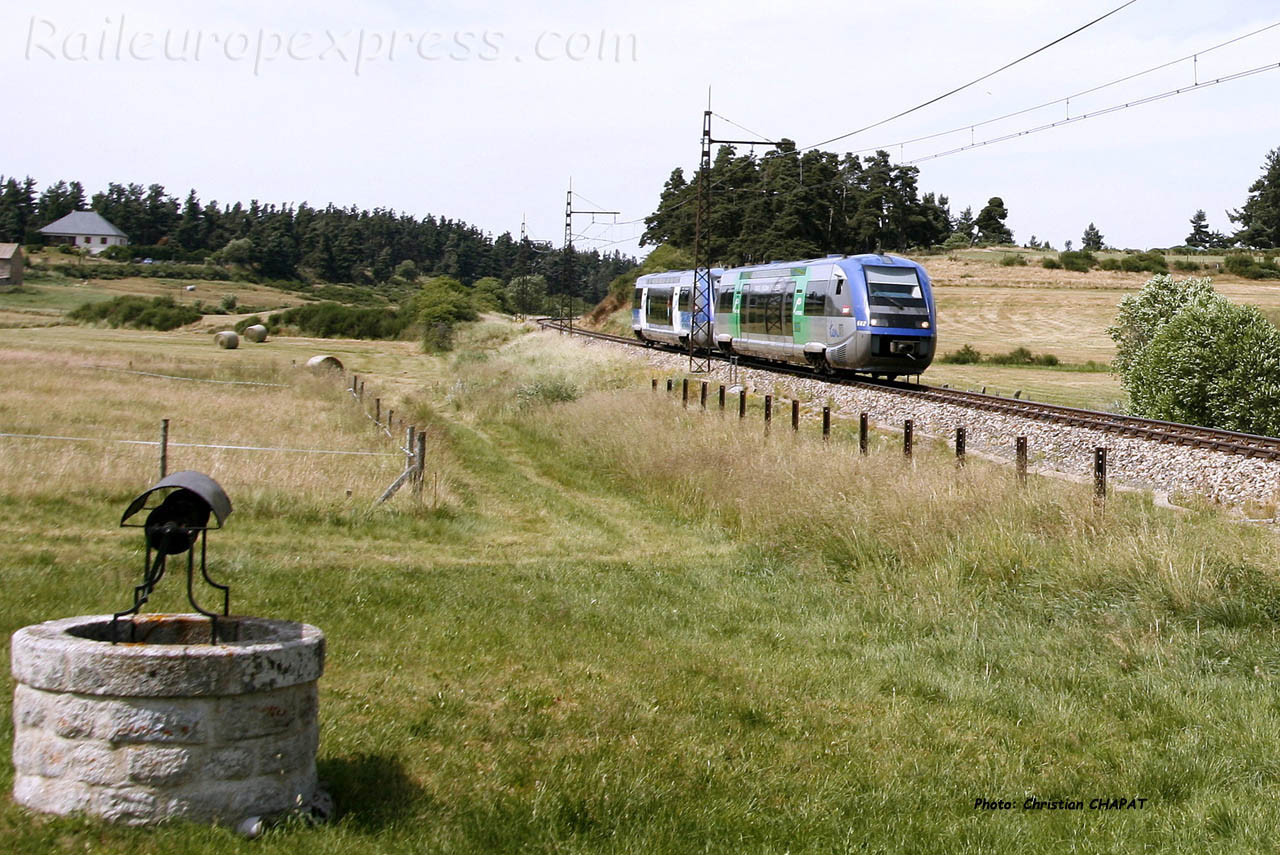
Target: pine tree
x=1260, y=216
x=1092, y=239
x=966, y=225
x=189, y=231
x=17, y=211
x=1200, y=235
x=990, y=222
x=57, y=201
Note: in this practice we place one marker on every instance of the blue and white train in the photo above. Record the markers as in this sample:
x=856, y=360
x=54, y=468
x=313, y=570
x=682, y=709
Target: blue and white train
x=868, y=313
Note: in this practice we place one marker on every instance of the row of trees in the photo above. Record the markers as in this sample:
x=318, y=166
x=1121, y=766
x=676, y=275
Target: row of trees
x=289, y=242
x=791, y=205
x=798, y=205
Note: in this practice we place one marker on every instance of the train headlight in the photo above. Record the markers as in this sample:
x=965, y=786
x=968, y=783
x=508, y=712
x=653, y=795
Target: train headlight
x=924, y=325
x=877, y=322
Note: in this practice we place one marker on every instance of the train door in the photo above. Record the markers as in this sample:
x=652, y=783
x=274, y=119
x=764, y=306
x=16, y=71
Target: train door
x=637, y=307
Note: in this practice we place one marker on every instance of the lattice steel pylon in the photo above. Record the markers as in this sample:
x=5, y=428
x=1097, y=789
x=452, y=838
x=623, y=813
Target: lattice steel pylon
x=702, y=312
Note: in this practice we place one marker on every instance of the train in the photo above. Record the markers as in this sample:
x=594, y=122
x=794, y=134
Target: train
x=871, y=313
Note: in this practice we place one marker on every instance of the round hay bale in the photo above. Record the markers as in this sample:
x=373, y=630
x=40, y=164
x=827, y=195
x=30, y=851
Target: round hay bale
x=256, y=333
x=227, y=340
x=324, y=363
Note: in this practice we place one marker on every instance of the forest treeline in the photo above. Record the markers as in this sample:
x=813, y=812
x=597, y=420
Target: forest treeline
x=300, y=242
x=790, y=204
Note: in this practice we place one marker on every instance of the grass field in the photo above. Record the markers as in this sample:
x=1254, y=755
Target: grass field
x=614, y=625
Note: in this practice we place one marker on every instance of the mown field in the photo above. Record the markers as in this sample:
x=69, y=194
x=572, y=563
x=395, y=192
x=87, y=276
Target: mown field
x=610, y=624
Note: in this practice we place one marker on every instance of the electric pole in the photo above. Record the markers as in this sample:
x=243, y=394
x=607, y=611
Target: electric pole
x=700, y=318
x=569, y=281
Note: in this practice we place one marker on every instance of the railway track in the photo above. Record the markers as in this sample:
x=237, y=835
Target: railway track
x=1173, y=433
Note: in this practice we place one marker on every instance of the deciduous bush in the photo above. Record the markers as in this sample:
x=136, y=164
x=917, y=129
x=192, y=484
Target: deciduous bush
x=1149, y=262
x=1187, y=354
x=1142, y=315
x=1215, y=363
x=334, y=320
x=442, y=303
x=967, y=355
x=1017, y=356
x=1245, y=265
x=1080, y=261
x=158, y=313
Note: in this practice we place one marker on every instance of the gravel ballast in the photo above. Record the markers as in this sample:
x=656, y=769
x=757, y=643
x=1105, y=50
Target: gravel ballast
x=1166, y=469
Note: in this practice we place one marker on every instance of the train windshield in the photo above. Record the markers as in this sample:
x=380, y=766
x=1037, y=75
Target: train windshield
x=895, y=298
x=893, y=283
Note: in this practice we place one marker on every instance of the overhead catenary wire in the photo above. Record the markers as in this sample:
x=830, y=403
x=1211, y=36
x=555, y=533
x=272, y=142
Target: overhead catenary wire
x=1047, y=126
x=1093, y=114
x=763, y=137
x=1115, y=108
x=973, y=82
x=1065, y=98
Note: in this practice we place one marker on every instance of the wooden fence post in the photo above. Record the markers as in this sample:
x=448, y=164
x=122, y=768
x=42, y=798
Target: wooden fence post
x=421, y=462
x=1100, y=474
x=164, y=447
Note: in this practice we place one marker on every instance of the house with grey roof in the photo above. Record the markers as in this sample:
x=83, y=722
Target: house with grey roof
x=87, y=230
x=10, y=264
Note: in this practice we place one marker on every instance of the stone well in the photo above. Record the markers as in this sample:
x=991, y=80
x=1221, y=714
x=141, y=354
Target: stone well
x=169, y=725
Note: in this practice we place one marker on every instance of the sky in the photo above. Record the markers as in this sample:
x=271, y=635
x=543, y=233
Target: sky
x=485, y=112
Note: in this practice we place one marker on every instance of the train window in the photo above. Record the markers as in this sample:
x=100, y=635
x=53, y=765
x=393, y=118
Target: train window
x=816, y=297
x=748, y=311
x=658, y=311
x=682, y=301
x=724, y=303
x=635, y=298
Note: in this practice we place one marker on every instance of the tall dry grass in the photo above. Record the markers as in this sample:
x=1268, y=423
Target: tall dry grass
x=924, y=528
x=93, y=397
